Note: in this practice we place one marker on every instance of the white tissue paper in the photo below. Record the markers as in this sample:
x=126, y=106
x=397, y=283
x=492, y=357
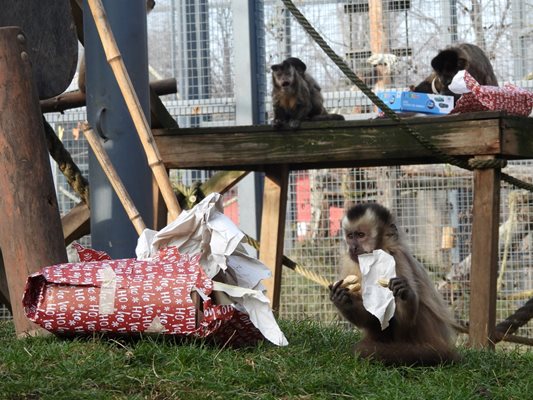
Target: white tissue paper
x=378, y=300
x=458, y=84
x=205, y=229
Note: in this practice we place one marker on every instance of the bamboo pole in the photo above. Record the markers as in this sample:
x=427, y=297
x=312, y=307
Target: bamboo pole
x=114, y=179
x=116, y=63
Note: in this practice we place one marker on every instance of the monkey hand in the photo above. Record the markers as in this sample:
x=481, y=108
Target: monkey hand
x=341, y=295
x=352, y=283
x=277, y=123
x=294, y=124
x=401, y=289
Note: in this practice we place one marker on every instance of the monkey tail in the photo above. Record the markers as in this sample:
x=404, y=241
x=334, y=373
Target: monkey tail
x=406, y=354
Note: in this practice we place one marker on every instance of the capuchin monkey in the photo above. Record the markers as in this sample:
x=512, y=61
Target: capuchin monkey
x=421, y=330
x=448, y=62
x=296, y=96
x=150, y=4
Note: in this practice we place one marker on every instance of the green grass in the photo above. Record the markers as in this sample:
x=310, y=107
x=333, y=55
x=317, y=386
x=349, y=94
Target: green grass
x=317, y=364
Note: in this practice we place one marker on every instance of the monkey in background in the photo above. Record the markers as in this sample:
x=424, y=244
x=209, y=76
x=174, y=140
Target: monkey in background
x=150, y=4
x=421, y=330
x=296, y=96
x=448, y=62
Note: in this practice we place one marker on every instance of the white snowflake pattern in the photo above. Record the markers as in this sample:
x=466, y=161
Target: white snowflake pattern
x=72, y=323
x=123, y=307
x=179, y=301
x=80, y=305
x=114, y=324
x=167, y=308
x=135, y=299
x=158, y=288
x=92, y=298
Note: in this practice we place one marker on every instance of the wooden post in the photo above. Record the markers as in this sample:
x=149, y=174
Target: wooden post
x=31, y=235
x=379, y=42
x=273, y=228
x=484, y=268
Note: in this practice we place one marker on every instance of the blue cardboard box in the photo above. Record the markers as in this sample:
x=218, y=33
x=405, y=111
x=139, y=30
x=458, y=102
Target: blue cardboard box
x=392, y=98
x=426, y=103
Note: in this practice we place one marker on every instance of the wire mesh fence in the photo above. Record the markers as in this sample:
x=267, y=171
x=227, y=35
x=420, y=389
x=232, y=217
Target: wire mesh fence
x=389, y=44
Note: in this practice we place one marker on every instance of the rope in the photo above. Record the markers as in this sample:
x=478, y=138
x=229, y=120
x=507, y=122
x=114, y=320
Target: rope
x=295, y=266
x=311, y=31
x=65, y=163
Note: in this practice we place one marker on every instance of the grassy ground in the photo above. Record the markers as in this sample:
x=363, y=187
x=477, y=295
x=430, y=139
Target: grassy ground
x=316, y=365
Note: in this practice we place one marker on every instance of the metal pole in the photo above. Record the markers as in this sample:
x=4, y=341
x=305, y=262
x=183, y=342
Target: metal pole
x=111, y=230
x=250, y=92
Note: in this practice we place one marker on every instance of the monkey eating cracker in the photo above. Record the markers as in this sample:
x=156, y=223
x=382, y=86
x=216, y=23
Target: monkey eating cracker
x=421, y=329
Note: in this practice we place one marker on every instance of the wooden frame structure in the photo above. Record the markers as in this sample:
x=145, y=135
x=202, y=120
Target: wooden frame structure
x=364, y=143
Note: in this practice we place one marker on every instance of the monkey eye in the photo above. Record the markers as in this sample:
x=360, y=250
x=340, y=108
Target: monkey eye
x=360, y=235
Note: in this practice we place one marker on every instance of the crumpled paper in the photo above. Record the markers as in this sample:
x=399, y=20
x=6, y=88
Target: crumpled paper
x=476, y=97
x=205, y=229
x=378, y=300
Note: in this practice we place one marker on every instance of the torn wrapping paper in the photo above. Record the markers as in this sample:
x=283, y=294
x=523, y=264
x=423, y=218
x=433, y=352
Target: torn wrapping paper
x=206, y=230
x=476, y=97
x=378, y=300
x=168, y=294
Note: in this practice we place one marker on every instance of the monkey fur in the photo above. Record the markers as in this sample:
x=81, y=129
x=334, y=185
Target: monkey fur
x=463, y=56
x=421, y=331
x=150, y=4
x=296, y=96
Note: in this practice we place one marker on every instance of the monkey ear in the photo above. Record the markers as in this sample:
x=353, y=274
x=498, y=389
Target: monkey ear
x=296, y=63
x=393, y=231
x=446, y=59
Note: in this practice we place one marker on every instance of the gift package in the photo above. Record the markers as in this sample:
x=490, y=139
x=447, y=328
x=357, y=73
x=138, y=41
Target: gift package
x=167, y=289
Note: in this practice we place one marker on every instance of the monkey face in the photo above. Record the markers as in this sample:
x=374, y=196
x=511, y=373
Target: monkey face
x=283, y=76
x=446, y=65
x=360, y=241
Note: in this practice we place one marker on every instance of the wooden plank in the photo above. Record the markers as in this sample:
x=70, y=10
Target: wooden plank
x=30, y=232
x=273, y=228
x=340, y=143
x=484, y=269
x=76, y=223
x=223, y=181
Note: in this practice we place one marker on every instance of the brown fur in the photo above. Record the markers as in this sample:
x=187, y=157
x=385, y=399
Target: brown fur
x=421, y=331
x=296, y=96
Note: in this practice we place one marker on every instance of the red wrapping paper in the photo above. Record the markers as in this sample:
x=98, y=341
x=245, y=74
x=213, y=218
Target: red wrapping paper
x=131, y=296
x=509, y=98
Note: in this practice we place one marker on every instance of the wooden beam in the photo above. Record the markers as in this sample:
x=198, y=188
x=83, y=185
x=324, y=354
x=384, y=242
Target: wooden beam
x=76, y=223
x=223, y=181
x=273, y=228
x=484, y=269
x=376, y=142
x=30, y=232
x=75, y=98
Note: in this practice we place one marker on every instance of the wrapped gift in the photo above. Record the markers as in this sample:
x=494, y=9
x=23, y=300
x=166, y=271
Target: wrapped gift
x=476, y=97
x=168, y=294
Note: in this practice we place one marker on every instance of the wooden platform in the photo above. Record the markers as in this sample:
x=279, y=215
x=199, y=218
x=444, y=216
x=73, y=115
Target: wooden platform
x=345, y=143
x=363, y=143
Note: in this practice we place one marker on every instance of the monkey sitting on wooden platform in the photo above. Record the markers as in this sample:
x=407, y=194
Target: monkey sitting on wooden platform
x=420, y=331
x=296, y=96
